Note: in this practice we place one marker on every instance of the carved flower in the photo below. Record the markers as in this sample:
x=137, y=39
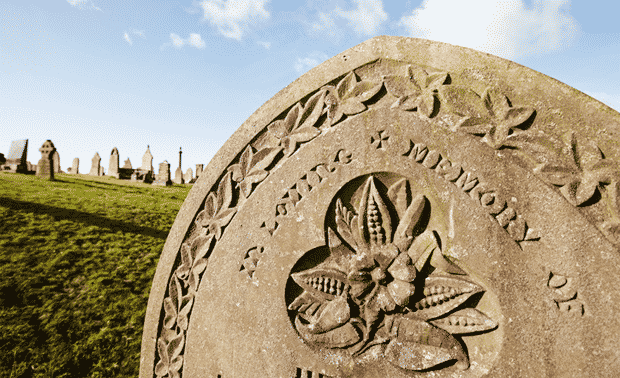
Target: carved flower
x=348, y=97
x=252, y=168
x=492, y=116
x=375, y=287
x=581, y=172
x=416, y=89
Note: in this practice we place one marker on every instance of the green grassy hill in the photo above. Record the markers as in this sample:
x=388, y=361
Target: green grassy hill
x=77, y=257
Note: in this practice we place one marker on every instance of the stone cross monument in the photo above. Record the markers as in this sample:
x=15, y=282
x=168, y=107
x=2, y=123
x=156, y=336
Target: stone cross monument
x=45, y=166
x=178, y=174
x=406, y=209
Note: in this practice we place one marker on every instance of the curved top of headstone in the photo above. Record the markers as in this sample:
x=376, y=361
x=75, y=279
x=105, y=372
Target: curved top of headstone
x=114, y=151
x=495, y=185
x=47, y=148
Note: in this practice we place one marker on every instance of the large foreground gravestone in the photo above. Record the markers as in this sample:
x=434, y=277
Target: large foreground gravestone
x=406, y=209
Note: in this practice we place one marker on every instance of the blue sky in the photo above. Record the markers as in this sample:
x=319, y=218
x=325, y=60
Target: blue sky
x=95, y=74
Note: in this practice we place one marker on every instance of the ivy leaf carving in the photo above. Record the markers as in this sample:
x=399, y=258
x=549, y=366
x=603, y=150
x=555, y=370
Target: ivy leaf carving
x=171, y=361
x=184, y=309
x=252, y=168
x=170, y=313
x=465, y=321
x=582, y=173
x=217, y=212
x=499, y=122
x=348, y=97
x=416, y=89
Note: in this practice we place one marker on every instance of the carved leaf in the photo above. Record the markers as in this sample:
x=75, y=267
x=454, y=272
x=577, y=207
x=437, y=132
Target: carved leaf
x=303, y=302
x=343, y=223
x=422, y=248
x=298, y=136
x=421, y=346
x=340, y=337
x=334, y=314
x=161, y=369
x=248, y=182
x=264, y=157
x=224, y=193
x=409, y=224
x=400, y=195
x=352, y=106
x=174, y=352
x=442, y=295
x=186, y=306
x=313, y=110
x=465, y=321
x=186, y=262
x=170, y=311
x=426, y=104
x=194, y=278
x=282, y=128
x=174, y=291
x=374, y=221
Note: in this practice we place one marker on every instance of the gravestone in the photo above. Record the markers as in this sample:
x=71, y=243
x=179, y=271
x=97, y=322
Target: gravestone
x=95, y=168
x=147, y=161
x=45, y=167
x=199, y=168
x=101, y=170
x=127, y=164
x=163, y=177
x=113, y=167
x=188, y=177
x=56, y=158
x=75, y=168
x=16, y=158
x=406, y=209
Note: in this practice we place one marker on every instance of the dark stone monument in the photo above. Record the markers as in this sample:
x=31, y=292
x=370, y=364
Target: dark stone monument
x=406, y=209
x=56, y=158
x=95, y=168
x=75, y=168
x=18, y=153
x=113, y=169
x=178, y=174
x=163, y=177
x=45, y=167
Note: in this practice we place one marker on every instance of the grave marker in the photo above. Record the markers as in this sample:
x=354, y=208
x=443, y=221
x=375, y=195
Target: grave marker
x=75, y=168
x=45, y=167
x=114, y=162
x=163, y=177
x=95, y=168
x=408, y=208
x=17, y=156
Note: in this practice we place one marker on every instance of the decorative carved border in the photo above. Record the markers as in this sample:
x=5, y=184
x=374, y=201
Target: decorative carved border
x=577, y=171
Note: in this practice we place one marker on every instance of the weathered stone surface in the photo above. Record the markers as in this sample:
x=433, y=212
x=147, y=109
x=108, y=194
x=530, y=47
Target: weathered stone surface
x=178, y=176
x=114, y=163
x=407, y=208
x=189, y=176
x=147, y=161
x=56, y=158
x=163, y=177
x=95, y=165
x=75, y=167
x=16, y=158
x=45, y=167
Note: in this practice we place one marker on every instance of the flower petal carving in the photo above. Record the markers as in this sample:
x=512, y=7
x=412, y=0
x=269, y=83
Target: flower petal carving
x=375, y=224
x=416, y=89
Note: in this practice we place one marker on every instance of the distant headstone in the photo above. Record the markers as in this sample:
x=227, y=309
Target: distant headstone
x=75, y=168
x=178, y=176
x=56, y=158
x=45, y=167
x=189, y=176
x=163, y=177
x=127, y=164
x=147, y=161
x=17, y=156
x=199, y=168
x=95, y=165
x=406, y=209
x=101, y=171
x=113, y=167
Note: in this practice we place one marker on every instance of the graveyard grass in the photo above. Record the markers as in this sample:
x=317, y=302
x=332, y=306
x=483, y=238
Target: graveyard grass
x=77, y=257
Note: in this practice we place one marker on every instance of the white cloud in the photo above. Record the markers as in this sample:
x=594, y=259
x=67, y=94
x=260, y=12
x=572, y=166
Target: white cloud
x=313, y=59
x=126, y=36
x=366, y=18
x=82, y=3
x=178, y=42
x=196, y=41
x=233, y=17
x=506, y=28
x=327, y=25
x=266, y=45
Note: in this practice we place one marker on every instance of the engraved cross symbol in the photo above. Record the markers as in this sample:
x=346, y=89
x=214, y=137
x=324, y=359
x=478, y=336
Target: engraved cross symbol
x=379, y=139
x=46, y=149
